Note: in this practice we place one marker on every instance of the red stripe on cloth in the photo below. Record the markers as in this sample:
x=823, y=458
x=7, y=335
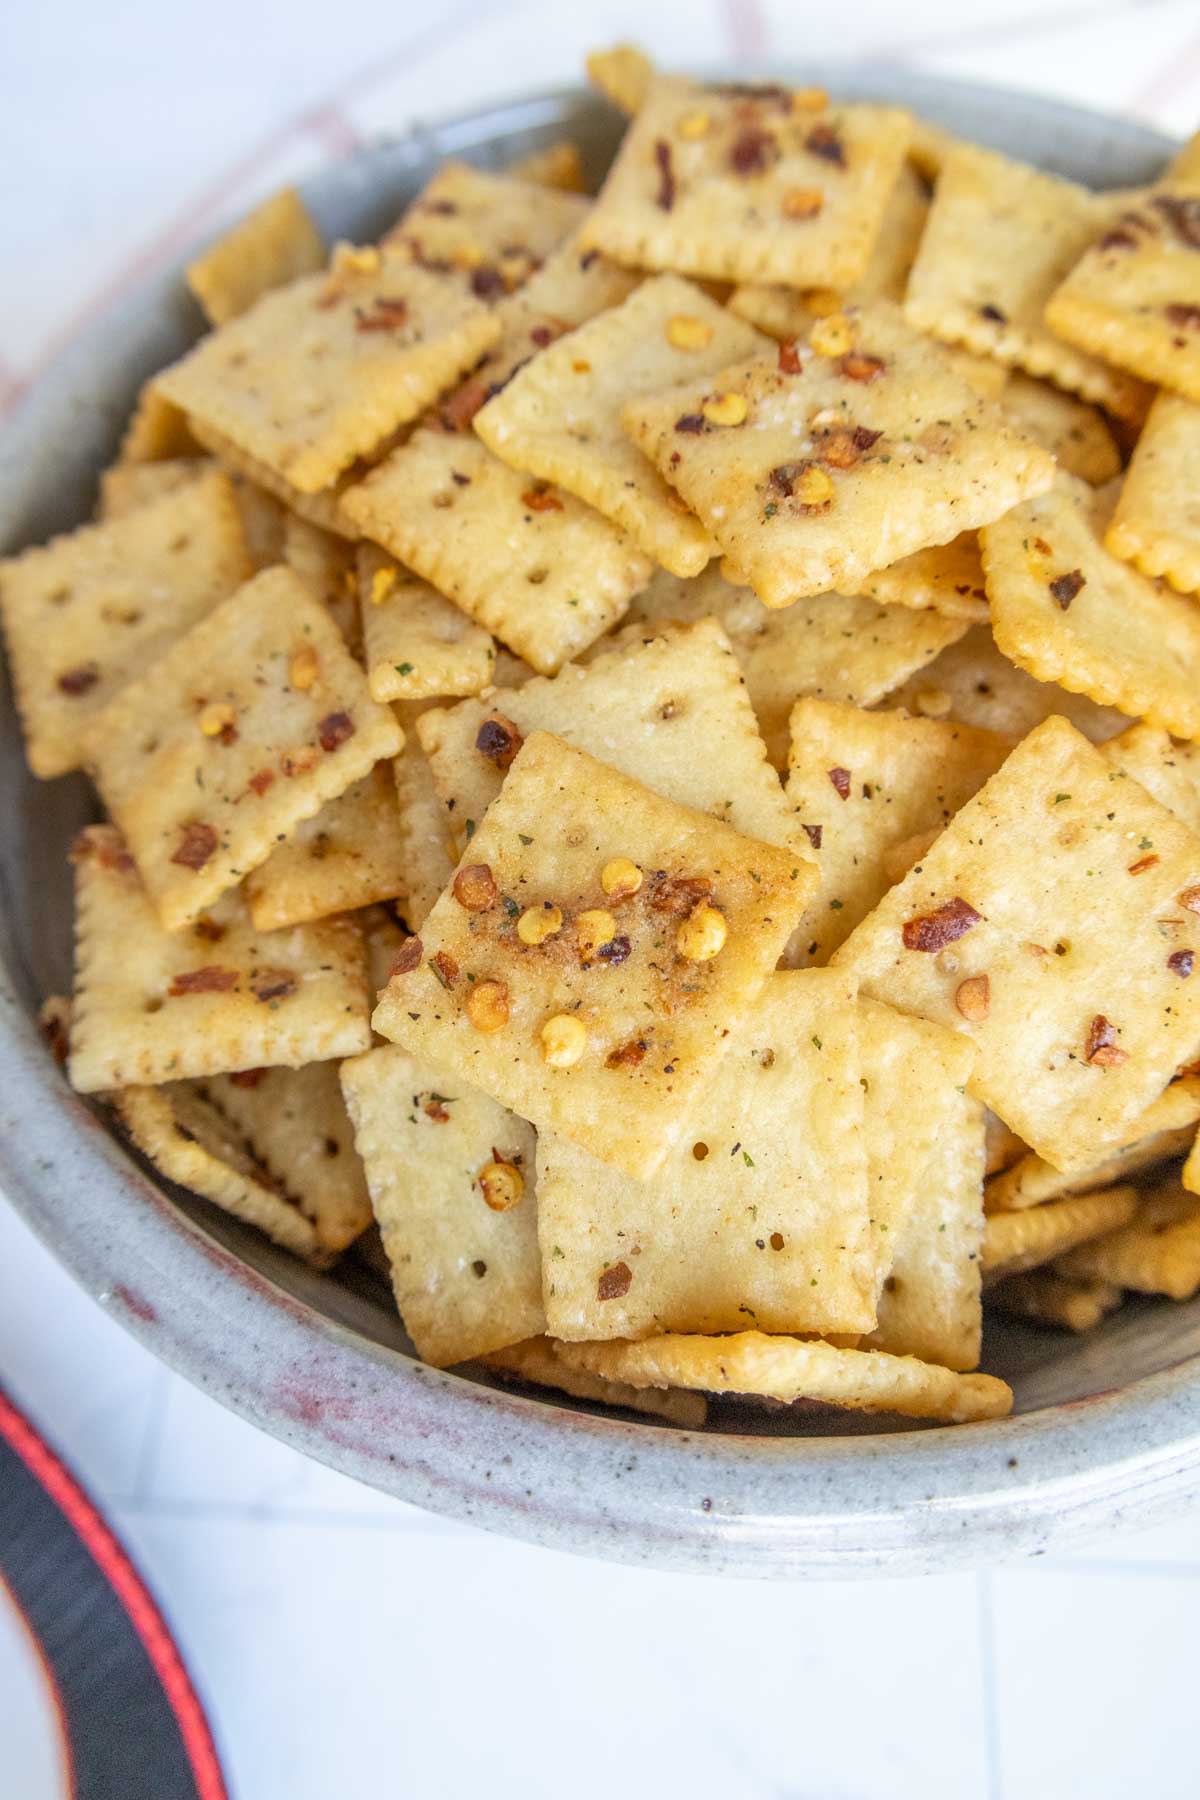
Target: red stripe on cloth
x=333, y=131
x=747, y=27
x=129, y=1588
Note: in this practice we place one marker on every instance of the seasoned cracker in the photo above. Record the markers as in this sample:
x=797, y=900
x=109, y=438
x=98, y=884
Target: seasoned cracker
x=669, y=709
x=623, y=75
x=1016, y=1241
x=930, y=1301
x=426, y=848
x=87, y=613
x=862, y=456
x=487, y=232
x=1134, y=296
x=348, y=855
x=1000, y=237
x=152, y=1006
x=1156, y=524
x=833, y=647
x=600, y=1035
x=559, y=165
x=466, y=1273
x=860, y=784
x=271, y=246
x=243, y=730
x=189, y=1142
x=1165, y=1129
x=1075, y=432
x=127, y=486
x=782, y=1368
x=559, y=418
x=759, y=1214
x=322, y=509
x=531, y=564
x=1067, y=610
x=1043, y=923
x=1155, y=1252
x=418, y=645
x=1052, y=1299
x=750, y=184
x=318, y=373
x=537, y=1362
x=296, y=1125
x=1168, y=770
x=972, y=682
x=946, y=577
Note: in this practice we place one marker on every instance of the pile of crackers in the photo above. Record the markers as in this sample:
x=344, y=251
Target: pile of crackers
x=649, y=750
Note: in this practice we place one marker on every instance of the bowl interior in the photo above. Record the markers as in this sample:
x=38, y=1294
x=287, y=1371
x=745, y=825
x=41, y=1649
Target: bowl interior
x=68, y=431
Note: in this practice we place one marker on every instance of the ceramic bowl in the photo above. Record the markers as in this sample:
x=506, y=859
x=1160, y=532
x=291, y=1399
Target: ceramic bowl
x=1106, y=1428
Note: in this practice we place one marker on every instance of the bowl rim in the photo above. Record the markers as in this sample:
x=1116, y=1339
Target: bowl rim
x=724, y=1503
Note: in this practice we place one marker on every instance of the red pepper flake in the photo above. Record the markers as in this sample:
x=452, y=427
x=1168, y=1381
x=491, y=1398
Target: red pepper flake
x=691, y=422
x=678, y=893
x=754, y=151
x=615, y=951
x=208, y=930
x=541, y=499
x=814, y=834
x=1190, y=897
x=334, y=729
x=261, y=781
x=487, y=283
x=1188, y=317
x=843, y=446
x=1102, y=1051
x=272, y=984
x=433, y=1108
x=109, y=852
x=387, y=313
x=459, y=479
x=823, y=141
x=475, y=888
x=627, y=1056
x=933, y=931
x=462, y=406
x=783, y=479
x=212, y=979
x=665, y=197
x=499, y=740
x=79, y=681
x=841, y=781
x=856, y=365
x=445, y=967
x=1142, y=864
x=1181, y=963
x=993, y=313
x=408, y=956
x=249, y=1078
x=789, y=358
x=1120, y=239
x=615, y=1283
x=198, y=843
x=1065, y=587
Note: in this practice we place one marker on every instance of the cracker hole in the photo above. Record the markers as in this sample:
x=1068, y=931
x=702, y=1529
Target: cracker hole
x=479, y=1269
x=59, y=597
x=153, y=1005
x=332, y=1147
x=536, y=576
x=1063, y=946
x=149, y=747
x=699, y=1151
x=179, y=544
x=443, y=500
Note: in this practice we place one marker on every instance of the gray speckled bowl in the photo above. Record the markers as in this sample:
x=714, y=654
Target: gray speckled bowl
x=1107, y=1428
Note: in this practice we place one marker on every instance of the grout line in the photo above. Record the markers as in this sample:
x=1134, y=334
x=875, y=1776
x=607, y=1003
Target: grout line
x=986, y=1611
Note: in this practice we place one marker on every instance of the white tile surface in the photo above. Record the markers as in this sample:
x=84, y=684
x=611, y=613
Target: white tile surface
x=349, y=1645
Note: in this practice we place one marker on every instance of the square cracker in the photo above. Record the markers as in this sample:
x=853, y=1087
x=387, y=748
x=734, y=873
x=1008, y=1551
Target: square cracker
x=1156, y=524
x=905, y=453
x=488, y=232
x=534, y=566
x=467, y=1279
x=322, y=509
x=86, y=613
x=319, y=372
x=190, y=1142
x=623, y=74
x=759, y=1214
x=656, y=1024
x=971, y=681
x=153, y=1006
x=348, y=855
x=834, y=647
x=1169, y=771
x=861, y=783
x=750, y=184
x=1156, y=1252
x=1067, y=610
x=788, y=1369
x=274, y=244
x=127, y=486
x=560, y=417
x=244, y=729
x=1016, y=1241
x=296, y=1125
x=1061, y=886
x=670, y=709
x=426, y=849
x=1053, y=1299
x=1134, y=296
x=1166, y=1128
x=930, y=1304
x=417, y=644
x=1074, y=431
x=946, y=577
x=1000, y=237
x=537, y=1362
x=786, y=312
